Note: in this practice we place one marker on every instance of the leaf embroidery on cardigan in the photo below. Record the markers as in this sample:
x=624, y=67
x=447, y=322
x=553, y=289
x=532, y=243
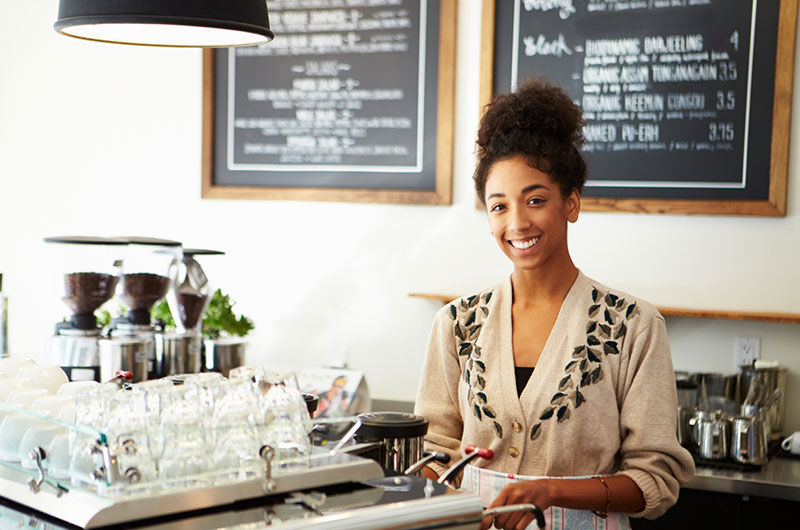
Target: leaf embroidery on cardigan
x=469, y=314
x=605, y=333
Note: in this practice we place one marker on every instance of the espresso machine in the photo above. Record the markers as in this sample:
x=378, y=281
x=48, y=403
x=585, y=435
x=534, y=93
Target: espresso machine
x=188, y=299
x=85, y=278
x=130, y=341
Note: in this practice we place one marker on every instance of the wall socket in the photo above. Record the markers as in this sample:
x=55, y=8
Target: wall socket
x=746, y=350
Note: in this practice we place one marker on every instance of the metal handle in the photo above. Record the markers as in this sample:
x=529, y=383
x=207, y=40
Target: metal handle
x=267, y=453
x=473, y=452
x=37, y=455
x=535, y=510
x=428, y=457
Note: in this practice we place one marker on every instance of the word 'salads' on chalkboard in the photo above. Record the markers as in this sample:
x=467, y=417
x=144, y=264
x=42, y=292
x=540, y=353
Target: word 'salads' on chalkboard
x=687, y=102
x=351, y=102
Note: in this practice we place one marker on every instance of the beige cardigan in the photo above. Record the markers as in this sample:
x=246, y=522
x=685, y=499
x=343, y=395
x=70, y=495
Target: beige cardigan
x=601, y=400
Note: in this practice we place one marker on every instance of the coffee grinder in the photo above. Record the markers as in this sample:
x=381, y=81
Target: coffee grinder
x=130, y=343
x=85, y=278
x=188, y=299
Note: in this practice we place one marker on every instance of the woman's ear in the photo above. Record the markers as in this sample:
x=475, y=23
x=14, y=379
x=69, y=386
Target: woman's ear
x=573, y=205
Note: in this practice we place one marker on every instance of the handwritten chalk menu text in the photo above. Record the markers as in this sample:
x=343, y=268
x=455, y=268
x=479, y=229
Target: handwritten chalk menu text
x=345, y=96
x=676, y=94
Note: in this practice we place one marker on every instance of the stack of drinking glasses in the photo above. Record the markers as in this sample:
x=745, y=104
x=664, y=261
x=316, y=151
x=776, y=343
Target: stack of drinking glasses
x=193, y=430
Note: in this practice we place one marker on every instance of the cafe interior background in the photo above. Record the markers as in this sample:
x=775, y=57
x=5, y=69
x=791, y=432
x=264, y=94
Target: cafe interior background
x=106, y=140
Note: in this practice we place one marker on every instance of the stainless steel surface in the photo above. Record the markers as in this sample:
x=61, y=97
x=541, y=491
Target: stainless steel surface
x=749, y=438
x=778, y=479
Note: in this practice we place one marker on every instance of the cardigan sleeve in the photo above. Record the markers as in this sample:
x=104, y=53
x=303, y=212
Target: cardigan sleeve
x=650, y=453
x=437, y=396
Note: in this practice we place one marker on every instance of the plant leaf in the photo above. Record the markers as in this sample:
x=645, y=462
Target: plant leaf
x=547, y=414
x=489, y=412
x=610, y=347
x=563, y=413
x=498, y=429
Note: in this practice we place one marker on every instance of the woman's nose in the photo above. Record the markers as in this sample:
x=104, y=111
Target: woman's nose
x=518, y=220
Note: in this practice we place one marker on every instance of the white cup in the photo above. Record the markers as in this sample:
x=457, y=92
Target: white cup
x=12, y=384
x=792, y=443
x=58, y=456
x=39, y=435
x=11, y=365
x=49, y=376
x=12, y=430
x=27, y=397
x=73, y=387
x=52, y=405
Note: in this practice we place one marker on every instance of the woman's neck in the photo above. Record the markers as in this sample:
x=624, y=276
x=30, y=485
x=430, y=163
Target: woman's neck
x=543, y=285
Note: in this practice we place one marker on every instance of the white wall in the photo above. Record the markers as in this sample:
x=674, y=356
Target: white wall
x=103, y=139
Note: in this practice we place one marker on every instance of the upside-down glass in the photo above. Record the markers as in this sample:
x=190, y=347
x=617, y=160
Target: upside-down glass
x=286, y=419
x=234, y=432
x=184, y=448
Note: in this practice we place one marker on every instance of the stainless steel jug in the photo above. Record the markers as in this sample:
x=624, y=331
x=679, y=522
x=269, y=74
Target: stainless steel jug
x=749, y=440
x=714, y=438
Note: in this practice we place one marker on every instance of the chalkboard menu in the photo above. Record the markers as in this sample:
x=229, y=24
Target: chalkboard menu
x=352, y=100
x=686, y=102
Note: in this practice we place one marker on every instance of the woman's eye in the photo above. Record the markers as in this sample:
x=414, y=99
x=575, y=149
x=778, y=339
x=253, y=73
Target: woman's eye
x=536, y=200
x=496, y=208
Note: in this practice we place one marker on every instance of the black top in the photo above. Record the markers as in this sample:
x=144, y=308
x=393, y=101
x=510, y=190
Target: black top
x=381, y=425
x=522, y=374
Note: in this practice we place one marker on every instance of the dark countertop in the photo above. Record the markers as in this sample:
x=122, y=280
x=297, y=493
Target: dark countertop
x=778, y=479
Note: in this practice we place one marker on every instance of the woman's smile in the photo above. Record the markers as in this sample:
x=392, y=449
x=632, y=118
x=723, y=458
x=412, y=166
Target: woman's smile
x=523, y=244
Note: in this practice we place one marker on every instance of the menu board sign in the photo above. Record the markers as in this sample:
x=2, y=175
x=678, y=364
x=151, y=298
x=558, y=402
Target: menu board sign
x=679, y=96
x=346, y=97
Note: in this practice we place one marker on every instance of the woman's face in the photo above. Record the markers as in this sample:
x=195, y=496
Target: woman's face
x=528, y=214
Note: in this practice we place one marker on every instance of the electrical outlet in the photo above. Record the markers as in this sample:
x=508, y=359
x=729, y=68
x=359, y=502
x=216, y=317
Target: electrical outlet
x=746, y=350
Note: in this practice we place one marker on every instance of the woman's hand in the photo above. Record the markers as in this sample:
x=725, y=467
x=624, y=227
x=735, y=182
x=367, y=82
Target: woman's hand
x=538, y=492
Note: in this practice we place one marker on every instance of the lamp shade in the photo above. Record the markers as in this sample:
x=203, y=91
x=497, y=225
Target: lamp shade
x=182, y=23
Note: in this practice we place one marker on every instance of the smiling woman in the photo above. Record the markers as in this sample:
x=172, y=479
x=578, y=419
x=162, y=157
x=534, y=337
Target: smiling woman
x=569, y=382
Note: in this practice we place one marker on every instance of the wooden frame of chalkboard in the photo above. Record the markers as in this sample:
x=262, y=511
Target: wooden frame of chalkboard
x=330, y=157
x=724, y=172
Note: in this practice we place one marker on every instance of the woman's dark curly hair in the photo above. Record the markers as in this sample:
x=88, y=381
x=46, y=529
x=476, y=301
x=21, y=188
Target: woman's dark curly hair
x=542, y=124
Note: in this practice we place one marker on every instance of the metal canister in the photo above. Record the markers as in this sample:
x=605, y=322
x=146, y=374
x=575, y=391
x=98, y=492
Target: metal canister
x=399, y=436
x=130, y=354
x=178, y=353
x=767, y=380
x=222, y=355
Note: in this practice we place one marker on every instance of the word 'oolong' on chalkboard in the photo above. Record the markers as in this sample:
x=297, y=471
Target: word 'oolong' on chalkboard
x=349, y=97
x=684, y=110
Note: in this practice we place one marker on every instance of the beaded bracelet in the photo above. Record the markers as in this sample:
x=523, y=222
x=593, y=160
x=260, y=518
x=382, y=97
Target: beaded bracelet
x=604, y=513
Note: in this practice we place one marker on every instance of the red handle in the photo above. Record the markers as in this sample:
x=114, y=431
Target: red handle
x=123, y=374
x=486, y=454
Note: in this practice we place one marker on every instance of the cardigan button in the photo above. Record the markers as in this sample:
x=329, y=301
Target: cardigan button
x=513, y=451
x=517, y=426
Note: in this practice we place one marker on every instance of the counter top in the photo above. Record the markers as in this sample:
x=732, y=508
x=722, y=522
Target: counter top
x=778, y=479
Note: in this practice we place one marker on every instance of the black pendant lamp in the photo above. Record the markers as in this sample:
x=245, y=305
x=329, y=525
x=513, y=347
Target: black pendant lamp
x=181, y=23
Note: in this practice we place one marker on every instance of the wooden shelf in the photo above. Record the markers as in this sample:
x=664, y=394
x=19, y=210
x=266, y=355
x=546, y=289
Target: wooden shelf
x=785, y=318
